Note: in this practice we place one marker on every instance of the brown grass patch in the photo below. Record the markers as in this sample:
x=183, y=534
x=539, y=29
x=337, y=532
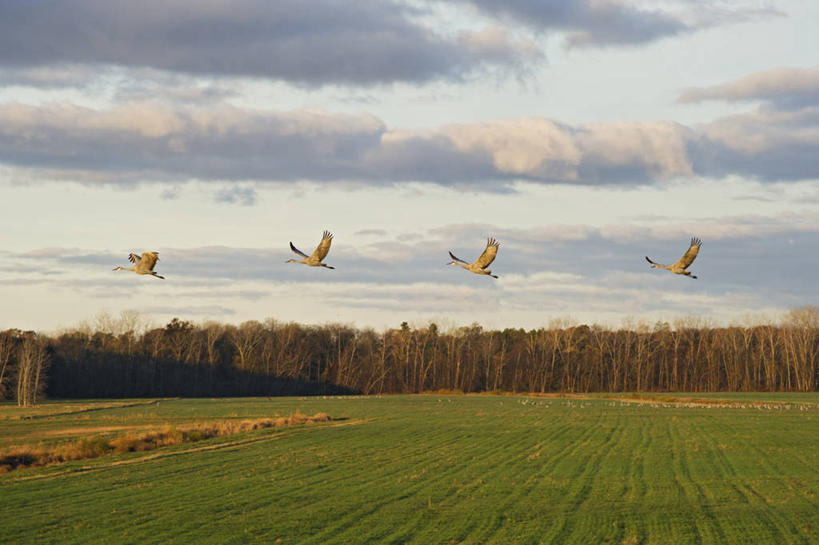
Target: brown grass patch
x=93, y=447
x=693, y=401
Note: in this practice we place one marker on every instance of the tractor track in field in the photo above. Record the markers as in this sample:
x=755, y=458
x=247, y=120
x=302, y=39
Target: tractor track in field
x=472, y=469
x=97, y=409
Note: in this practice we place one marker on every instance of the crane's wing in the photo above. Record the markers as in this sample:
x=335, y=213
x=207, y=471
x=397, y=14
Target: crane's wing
x=133, y=258
x=488, y=255
x=149, y=259
x=688, y=257
x=459, y=260
x=297, y=251
x=324, y=246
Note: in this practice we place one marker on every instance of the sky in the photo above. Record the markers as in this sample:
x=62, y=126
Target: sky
x=582, y=134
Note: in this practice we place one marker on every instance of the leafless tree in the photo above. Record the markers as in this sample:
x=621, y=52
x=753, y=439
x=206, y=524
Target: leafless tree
x=32, y=364
x=7, y=344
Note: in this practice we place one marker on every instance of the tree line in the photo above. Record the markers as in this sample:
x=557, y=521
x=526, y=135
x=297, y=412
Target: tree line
x=120, y=357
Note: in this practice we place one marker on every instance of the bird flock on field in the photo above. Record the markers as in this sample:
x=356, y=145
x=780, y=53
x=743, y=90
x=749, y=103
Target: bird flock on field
x=146, y=263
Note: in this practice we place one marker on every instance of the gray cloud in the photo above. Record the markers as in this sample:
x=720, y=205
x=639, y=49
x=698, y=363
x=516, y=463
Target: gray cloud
x=244, y=196
x=589, y=22
x=766, y=145
x=151, y=141
x=746, y=263
x=371, y=232
x=182, y=310
x=313, y=43
x=780, y=247
x=777, y=141
x=170, y=193
x=594, y=23
x=57, y=76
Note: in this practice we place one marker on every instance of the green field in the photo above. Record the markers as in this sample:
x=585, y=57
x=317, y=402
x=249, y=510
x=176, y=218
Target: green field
x=427, y=470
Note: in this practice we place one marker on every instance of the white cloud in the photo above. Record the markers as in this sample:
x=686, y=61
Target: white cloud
x=787, y=84
x=534, y=148
x=658, y=147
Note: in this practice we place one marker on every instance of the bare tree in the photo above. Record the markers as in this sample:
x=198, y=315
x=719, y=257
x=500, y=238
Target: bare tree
x=246, y=339
x=119, y=358
x=800, y=331
x=31, y=370
x=7, y=343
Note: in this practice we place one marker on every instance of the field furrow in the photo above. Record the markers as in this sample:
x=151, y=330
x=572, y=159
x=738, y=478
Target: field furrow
x=432, y=470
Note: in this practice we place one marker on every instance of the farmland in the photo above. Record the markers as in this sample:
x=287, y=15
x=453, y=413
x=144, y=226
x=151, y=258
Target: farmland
x=428, y=469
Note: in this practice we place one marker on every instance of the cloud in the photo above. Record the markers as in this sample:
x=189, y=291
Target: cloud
x=588, y=22
x=58, y=76
x=413, y=297
x=244, y=196
x=777, y=141
x=583, y=250
x=160, y=142
x=371, y=232
x=153, y=142
x=593, y=273
x=498, y=45
x=170, y=193
x=765, y=145
x=197, y=310
x=317, y=43
x=596, y=23
x=785, y=87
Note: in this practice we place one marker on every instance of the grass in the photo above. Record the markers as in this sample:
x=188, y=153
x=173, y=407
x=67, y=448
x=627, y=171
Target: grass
x=429, y=470
x=24, y=456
